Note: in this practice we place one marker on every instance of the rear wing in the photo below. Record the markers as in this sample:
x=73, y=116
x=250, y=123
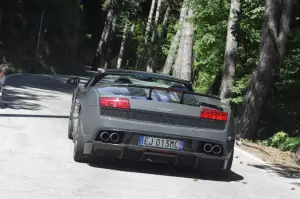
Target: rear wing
x=183, y=92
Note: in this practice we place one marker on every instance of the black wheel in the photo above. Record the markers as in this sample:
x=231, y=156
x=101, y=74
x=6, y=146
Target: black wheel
x=70, y=127
x=229, y=164
x=227, y=171
x=78, y=155
x=70, y=136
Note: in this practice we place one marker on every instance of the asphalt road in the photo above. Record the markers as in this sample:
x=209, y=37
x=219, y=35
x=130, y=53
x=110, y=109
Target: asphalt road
x=36, y=158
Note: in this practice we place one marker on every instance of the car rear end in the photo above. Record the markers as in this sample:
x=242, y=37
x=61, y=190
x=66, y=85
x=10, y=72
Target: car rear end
x=136, y=127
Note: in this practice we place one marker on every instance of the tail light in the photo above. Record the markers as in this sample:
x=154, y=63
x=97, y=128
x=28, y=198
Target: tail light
x=115, y=102
x=213, y=114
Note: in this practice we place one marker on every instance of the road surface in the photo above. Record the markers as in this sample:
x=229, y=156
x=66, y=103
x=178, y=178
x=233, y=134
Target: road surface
x=36, y=158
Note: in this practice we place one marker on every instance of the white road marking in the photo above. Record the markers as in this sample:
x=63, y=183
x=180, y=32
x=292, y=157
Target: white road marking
x=257, y=159
x=250, y=155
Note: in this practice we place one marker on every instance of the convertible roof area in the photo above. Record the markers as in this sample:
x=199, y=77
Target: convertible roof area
x=143, y=73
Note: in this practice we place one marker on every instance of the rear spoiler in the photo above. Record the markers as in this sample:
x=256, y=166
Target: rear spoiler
x=171, y=89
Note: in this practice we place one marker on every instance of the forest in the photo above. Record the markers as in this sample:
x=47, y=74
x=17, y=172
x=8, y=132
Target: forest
x=245, y=51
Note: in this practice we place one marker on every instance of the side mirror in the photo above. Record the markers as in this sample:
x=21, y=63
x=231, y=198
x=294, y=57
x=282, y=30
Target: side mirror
x=77, y=81
x=73, y=81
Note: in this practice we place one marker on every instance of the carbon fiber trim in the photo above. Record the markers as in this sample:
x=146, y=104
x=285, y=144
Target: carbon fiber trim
x=162, y=118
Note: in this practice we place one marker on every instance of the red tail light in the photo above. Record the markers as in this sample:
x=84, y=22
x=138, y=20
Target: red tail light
x=213, y=114
x=115, y=102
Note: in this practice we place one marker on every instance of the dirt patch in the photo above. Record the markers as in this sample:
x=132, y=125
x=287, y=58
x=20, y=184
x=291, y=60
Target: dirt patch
x=283, y=159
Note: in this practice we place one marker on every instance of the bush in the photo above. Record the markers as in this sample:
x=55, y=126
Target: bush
x=282, y=141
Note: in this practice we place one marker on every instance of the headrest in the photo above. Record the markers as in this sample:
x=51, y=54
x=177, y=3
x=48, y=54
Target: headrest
x=123, y=80
x=177, y=86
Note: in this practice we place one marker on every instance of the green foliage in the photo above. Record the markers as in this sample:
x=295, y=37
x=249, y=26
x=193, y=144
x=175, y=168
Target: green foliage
x=204, y=81
x=89, y=36
x=210, y=22
x=282, y=141
x=211, y=18
x=278, y=140
x=239, y=89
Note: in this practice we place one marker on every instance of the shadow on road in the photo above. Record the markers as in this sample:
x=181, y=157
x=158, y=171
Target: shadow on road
x=165, y=170
x=28, y=91
x=25, y=91
x=15, y=99
x=297, y=184
x=41, y=82
x=35, y=116
x=283, y=171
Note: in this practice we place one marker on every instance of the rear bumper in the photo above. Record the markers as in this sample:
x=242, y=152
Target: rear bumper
x=140, y=153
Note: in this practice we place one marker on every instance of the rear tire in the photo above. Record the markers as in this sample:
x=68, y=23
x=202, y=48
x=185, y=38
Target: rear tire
x=70, y=136
x=227, y=171
x=229, y=164
x=70, y=127
x=78, y=155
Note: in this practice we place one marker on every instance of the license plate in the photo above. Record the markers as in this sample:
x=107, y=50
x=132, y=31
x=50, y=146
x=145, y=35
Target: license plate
x=161, y=142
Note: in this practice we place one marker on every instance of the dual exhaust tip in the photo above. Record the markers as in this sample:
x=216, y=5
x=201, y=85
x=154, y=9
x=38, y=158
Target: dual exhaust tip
x=215, y=149
x=113, y=137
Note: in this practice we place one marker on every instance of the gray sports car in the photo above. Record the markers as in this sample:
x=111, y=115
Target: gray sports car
x=125, y=114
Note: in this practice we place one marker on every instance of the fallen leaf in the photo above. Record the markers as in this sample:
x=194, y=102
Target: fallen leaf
x=195, y=180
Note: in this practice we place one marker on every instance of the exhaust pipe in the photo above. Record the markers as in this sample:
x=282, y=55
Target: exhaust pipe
x=207, y=148
x=104, y=136
x=114, y=137
x=216, y=149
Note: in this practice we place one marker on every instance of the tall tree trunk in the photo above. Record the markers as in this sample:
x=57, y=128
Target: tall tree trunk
x=275, y=31
x=215, y=88
x=129, y=53
x=180, y=52
x=231, y=49
x=157, y=15
x=122, y=48
x=112, y=34
x=161, y=38
x=165, y=24
x=154, y=37
x=104, y=38
x=140, y=60
x=174, y=44
x=187, y=60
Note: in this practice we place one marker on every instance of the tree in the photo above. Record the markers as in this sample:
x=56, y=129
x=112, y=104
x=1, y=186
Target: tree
x=122, y=48
x=230, y=50
x=140, y=61
x=174, y=45
x=275, y=31
x=104, y=37
x=155, y=51
x=112, y=37
x=154, y=36
x=184, y=59
x=187, y=45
